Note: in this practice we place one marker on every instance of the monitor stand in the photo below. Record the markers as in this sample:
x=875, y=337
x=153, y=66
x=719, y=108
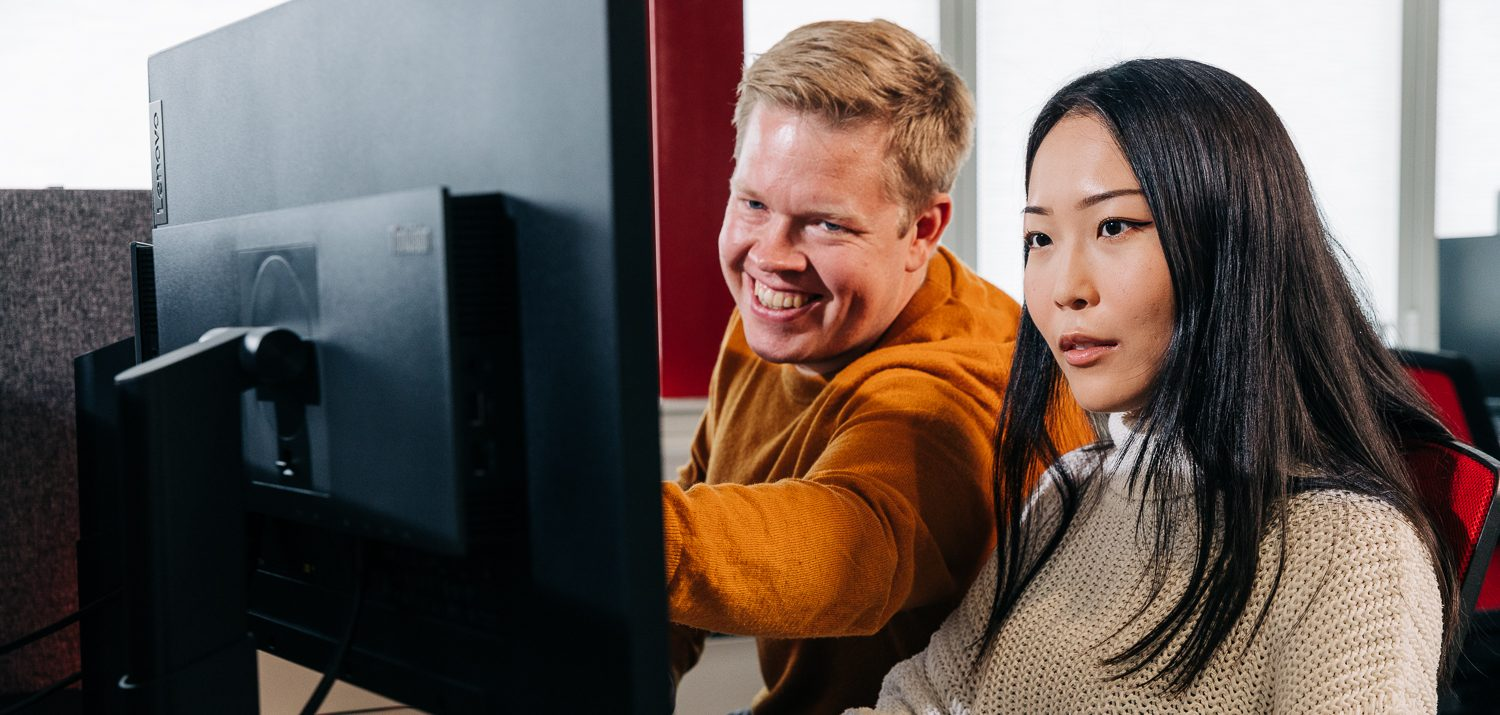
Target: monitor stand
x=190, y=650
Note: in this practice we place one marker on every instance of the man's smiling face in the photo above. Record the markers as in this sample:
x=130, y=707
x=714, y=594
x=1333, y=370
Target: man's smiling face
x=819, y=256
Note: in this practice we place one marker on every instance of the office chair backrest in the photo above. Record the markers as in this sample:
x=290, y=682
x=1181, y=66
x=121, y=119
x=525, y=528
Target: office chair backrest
x=1438, y=387
x=1451, y=385
x=1461, y=481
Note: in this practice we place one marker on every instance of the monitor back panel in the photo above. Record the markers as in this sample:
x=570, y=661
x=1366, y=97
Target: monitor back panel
x=547, y=103
x=1469, y=304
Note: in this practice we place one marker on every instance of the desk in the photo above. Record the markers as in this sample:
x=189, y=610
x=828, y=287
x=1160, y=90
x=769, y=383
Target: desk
x=285, y=686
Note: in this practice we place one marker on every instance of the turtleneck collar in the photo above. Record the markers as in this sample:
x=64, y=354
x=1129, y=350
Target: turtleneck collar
x=1118, y=430
x=1130, y=444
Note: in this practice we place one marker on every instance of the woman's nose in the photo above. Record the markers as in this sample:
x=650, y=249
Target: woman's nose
x=1073, y=284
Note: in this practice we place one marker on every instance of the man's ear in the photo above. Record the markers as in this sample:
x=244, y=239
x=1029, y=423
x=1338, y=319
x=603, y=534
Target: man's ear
x=927, y=230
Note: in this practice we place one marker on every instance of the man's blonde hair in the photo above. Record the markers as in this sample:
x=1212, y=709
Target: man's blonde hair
x=854, y=72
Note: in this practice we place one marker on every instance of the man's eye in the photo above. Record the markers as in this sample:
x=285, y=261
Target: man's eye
x=754, y=205
x=1037, y=239
x=831, y=227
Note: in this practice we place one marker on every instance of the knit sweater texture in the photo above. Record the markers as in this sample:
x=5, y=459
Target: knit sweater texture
x=1355, y=627
x=840, y=520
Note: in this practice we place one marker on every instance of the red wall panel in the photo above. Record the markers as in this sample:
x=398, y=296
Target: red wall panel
x=696, y=56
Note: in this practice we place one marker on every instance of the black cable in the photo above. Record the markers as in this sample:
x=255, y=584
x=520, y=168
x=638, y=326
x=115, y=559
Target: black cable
x=361, y=711
x=40, y=695
x=48, y=630
x=332, y=672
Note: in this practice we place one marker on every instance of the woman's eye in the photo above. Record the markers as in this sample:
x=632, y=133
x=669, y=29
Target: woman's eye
x=1117, y=226
x=1037, y=239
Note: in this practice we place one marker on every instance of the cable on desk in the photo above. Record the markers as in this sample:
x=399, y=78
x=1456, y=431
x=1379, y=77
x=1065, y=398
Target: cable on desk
x=362, y=711
x=332, y=672
x=42, y=694
x=48, y=630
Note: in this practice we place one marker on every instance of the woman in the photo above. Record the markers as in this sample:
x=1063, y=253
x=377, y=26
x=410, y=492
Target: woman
x=1248, y=539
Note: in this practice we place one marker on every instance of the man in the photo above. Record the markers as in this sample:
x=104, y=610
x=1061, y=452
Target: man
x=838, y=500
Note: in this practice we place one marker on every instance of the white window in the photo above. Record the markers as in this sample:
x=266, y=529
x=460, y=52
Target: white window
x=1468, y=119
x=767, y=21
x=1331, y=69
x=74, y=83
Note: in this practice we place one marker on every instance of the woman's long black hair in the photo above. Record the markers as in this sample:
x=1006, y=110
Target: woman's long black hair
x=1274, y=369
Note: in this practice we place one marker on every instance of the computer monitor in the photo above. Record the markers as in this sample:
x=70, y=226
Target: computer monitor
x=447, y=206
x=1468, y=301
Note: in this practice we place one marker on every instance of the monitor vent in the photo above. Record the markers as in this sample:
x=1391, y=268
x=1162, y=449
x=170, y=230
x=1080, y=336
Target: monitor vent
x=143, y=283
x=481, y=240
x=482, y=260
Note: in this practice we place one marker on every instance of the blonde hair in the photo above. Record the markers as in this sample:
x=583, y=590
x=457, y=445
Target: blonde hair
x=854, y=72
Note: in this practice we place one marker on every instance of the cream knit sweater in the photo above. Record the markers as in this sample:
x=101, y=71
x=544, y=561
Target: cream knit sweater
x=1356, y=626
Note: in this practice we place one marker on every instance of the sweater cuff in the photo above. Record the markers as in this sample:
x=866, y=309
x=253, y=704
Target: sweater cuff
x=671, y=502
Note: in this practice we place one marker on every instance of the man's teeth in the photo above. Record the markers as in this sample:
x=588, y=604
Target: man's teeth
x=777, y=300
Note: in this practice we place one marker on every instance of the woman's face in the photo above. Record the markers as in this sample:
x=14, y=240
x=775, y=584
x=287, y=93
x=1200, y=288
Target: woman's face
x=1097, y=284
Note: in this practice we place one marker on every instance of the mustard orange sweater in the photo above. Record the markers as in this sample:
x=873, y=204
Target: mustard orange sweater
x=841, y=520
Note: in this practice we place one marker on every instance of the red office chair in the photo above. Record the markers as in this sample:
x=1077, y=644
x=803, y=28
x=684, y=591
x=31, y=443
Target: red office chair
x=1451, y=385
x=1464, y=479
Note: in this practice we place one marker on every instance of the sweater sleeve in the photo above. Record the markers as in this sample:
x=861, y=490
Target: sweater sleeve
x=685, y=643
x=893, y=514
x=941, y=679
x=694, y=470
x=1369, y=633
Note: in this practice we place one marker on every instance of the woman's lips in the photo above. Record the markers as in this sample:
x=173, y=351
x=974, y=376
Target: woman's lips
x=1084, y=350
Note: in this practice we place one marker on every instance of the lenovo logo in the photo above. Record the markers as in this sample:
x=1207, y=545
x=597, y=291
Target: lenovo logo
x=411, y=240
x=158, y=168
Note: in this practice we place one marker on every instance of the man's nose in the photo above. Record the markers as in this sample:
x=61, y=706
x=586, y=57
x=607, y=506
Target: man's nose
x=775, y=249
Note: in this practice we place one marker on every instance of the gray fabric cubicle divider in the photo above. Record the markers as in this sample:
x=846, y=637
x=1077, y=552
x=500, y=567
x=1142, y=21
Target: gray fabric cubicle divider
x=64, y=290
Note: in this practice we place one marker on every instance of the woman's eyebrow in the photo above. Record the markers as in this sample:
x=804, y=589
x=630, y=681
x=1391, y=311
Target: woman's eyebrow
x=1087, y=201
x=1100, y=198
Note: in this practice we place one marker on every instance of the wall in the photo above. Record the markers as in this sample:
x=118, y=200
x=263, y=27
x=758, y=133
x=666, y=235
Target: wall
x=695, y=66
x=65, y=291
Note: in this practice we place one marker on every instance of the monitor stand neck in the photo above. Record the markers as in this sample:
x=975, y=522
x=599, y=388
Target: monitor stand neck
x=188, y=567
